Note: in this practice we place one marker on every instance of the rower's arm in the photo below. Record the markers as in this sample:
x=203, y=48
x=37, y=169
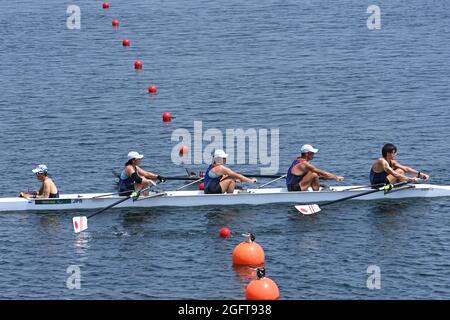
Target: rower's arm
x=44, y=192
x=322, y=173
x=387, y=168
x=146, y=174
x=231, y=173
x=391, y=171
x=412, y=170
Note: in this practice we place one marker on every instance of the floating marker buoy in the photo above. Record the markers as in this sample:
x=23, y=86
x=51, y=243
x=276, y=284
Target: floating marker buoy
x=115, y=23
x=201, y=186
x=184, y=150
x=138, y=64
x=225, y=232
x=126, y=42
x=152, y=89
x=167, y=117
x=105, y=5
x=262, y=288
x=248, y=253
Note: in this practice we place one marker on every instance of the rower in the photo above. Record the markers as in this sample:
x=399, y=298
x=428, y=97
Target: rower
x=48, y=188
x=302, y=174
x=388, y=170
x=134, y=178
x=219, y=178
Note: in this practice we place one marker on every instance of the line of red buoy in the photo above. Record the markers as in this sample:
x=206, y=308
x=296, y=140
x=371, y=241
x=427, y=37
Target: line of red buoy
x=138, y=64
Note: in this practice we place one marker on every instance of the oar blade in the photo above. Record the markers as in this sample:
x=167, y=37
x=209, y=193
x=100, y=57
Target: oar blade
x=79, y=224
x=308, y=209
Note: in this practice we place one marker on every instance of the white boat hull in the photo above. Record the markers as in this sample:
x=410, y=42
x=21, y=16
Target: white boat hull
x=198, y=198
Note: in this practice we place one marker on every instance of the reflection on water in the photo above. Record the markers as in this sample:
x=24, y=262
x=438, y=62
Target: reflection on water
x=81, y=243
x=246, y=273
x=396, y=207
x=49, y=224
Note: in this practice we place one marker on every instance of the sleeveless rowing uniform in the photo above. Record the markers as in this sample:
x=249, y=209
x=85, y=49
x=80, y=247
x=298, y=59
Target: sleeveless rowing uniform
x=212, y=181
x=126, y=183
x=52, y=195
x=292, y=180
x=379, y=177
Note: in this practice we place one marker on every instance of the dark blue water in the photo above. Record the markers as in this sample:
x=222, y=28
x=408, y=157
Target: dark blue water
x=72, y=100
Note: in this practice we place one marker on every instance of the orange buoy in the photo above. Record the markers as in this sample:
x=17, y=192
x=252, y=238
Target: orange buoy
x=224, y=232
x=138, y=64
x=248, y=253
x=201, y=186
x=115, y=23
x=167, y=117
x=105, y=5
x=262, y=288
x=126, y=42
x=152, y=89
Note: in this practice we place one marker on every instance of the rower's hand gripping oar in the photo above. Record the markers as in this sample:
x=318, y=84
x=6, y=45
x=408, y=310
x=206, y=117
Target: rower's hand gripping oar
x=80, y=222
x=314, y=208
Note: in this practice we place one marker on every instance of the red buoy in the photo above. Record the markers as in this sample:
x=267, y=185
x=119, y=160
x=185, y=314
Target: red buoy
x=152, y=89
x=184, y=150
x=115, y=23
x=138, y=64
x=126, y=42
x=225, y=232
x=167, y=117
x=262, y=288
x=201, y=186
x=105, y=5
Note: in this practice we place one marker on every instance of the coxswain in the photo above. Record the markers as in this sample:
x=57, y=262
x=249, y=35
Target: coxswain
x=48, y=188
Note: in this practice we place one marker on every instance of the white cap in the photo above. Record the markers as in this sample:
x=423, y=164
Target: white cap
x=219, y=153
x=42, y=168
x=134, y=155
x=308, y=148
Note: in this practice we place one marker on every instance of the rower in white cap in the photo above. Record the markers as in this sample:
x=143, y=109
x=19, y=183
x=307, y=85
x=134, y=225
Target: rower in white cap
x=48, y=188
x=302, y=174
x=134, y=178
x=219, y=178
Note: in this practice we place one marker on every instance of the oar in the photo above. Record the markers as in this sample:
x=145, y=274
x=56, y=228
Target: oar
x=265, y=184
x=378, y=185
x=80, y=222
x=123, y=193
x=163, y=193
x=247, y=175
x=314, y=208
x=188, y=177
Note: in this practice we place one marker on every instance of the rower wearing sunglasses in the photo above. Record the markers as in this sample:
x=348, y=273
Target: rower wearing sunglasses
x=48, y=188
